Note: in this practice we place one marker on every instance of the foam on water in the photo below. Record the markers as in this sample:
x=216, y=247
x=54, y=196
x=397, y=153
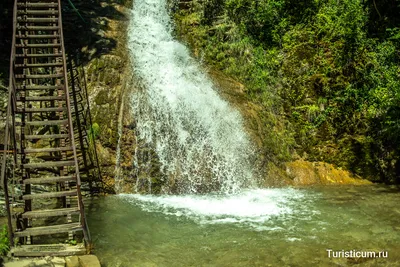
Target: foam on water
x=198, y=138
x=255, y=207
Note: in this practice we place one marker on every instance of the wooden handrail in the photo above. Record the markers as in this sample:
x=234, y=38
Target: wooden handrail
x=10, y=109
x=10, y=97
x=91, y=123
x=71, y=131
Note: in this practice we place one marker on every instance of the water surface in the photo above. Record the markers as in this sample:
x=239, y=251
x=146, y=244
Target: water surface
x=263, y=227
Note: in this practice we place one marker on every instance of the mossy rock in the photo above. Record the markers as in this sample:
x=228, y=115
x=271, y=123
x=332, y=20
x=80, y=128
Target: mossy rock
x=311, y=173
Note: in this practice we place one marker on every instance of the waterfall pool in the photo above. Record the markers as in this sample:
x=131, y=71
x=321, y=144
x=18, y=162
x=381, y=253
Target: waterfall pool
x=260, y=227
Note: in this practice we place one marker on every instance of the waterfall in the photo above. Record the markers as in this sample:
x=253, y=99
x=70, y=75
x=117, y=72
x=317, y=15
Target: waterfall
x=198, y=138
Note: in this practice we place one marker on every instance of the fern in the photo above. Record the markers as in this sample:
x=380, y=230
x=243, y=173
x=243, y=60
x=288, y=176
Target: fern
x=4, y=242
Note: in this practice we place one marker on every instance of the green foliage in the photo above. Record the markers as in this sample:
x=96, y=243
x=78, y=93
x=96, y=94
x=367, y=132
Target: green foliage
x=4, y=242
x=94, y=131
x=326, y=74
x=72, y=242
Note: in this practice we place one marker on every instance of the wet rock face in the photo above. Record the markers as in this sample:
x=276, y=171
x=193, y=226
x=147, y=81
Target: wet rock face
x=102, y=48
x=104, y=80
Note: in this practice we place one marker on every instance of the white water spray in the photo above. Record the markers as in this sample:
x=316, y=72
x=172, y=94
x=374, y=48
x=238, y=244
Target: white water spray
x=198, y=138
x=252, y=207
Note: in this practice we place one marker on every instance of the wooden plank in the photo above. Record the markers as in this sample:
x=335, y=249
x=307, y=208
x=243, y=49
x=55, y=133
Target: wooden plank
x=49, y=180
x=49, y=230
x=50, y=213
x=46, y=136
x=39, y=98
x=42, y=123
x=39, y=65
x=50, y=195
x=39, y=28
x=37, y=12
x=38, y=55
x=38, y=45
x=49, y=164
x=37, y=5
x=41, y=1
x=39, y=76
x=40, y=87
x=38, y=36
x=40, y=110
x=45, y=150
x=48, y=250
x=37, y=20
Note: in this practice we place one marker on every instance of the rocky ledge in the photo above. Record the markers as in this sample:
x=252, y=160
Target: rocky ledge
x=72, y=261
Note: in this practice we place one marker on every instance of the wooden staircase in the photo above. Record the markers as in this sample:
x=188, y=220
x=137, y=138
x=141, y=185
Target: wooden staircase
x=48, y=218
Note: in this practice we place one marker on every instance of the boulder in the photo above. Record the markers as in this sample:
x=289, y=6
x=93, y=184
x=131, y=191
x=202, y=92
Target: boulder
x=89, y=261
x=72, y=261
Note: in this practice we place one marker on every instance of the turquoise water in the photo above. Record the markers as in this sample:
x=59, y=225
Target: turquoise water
x=268, y=227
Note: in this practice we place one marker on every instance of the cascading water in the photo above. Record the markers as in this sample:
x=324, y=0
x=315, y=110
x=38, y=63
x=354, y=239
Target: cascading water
x=200, y=144
x=194, y=137
x=198, y=138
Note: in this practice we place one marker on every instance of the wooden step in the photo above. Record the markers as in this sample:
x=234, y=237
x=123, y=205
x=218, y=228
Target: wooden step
x=48, y=164
x=40, y=110
x=38, y=55
x=40, y=87
x=38, y=28
x=50, y=195
x=39, y=65
x=40, y=1
x=46, y=136
x=42, y=123
x=38, y=36
x=60, y=250
x=50, y=213
x=50, y=180
x=38, y=45
x=37, y=5
x=45, y=150
x=37, y=20
x=37, y=12
x=39, y=98
x=39, y=76
x=49, y=230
